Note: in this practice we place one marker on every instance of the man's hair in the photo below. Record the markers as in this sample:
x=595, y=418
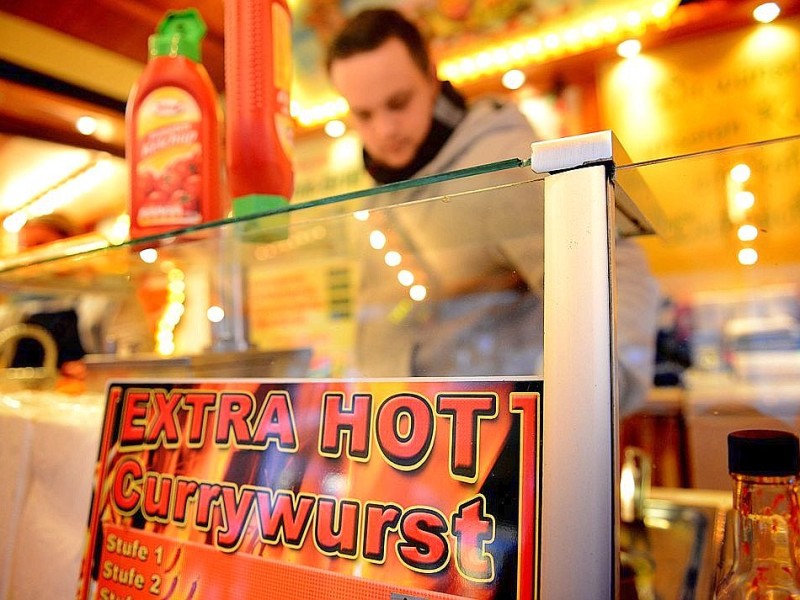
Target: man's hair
x=370, y=29
x=55, y=222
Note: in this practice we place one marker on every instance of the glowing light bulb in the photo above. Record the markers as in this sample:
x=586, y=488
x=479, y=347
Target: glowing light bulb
x=14, y=222
x=215, y=314
x=335, y=128
x=418, y=292
x=149, y=255
x=748, y=256
x=740, y=173
x=405, y=277
x=86, y=125
x=393, y=258
x=747, y=233
x=744, y=200
x=659, y=10
x=629, y=48
x=377, y=239
x=513, y=79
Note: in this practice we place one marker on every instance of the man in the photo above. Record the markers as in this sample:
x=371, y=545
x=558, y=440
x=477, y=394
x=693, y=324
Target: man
x=412, y=124
x=485, y=315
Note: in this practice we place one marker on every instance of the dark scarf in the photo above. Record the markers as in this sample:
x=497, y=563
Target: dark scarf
x=450, y=108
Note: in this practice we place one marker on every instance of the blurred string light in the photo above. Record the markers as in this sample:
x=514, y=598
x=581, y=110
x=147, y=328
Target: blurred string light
x=740, y=200
x=405, y=277
x=418, y=292
x=748, y=256
x=61, y=193
x=601, y=27
x=740, y=173
x=377, y=239
x=335, y=128
x=215, y=314
x=393, y=259
x=767, y=12
x=744, y=200
x=568, y=38
x=740, y=204
x=173, y=312
x=149, y=255
x=513, y=79
x=747, y=233
x=86, y=125
x=320, y=113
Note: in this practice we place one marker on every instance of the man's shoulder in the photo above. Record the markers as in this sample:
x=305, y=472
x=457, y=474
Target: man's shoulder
x=492, y=130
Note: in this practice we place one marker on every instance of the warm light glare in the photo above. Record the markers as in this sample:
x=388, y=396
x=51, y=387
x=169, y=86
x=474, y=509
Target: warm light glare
x=174, y=310
x=377, y=239
x=119, y=230
x=361, y=215
x=149, y=255
x=86, y=125
x=748, y=256
x=633, y=19
x=627, y=493
x=319, y=114
x=747, y=233
x=14, y=222
x=513, y=79
x=605, y=27
x=767, y=12
x=659, y=10
x=629, y=48
x=740, y=173
x=551, y=41
x=62, y=193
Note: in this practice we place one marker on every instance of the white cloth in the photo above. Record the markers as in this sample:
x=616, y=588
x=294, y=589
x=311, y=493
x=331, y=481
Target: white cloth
x=48, y=450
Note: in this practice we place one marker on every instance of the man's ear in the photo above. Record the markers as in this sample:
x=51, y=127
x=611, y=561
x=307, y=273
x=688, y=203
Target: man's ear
x=432, y=73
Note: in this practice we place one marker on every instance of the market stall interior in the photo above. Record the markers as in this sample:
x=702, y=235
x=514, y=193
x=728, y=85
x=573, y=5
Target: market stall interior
x=702, y=94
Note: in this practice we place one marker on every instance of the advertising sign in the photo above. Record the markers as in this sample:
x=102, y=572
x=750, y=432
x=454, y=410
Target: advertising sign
x=245, y=489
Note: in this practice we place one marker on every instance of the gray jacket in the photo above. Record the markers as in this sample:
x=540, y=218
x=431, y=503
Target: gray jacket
x=480, y=254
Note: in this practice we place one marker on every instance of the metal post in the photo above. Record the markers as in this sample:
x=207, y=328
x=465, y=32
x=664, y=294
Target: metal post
x=579, y=532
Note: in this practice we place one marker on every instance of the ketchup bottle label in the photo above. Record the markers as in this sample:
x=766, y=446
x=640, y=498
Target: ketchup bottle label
x=169, y=182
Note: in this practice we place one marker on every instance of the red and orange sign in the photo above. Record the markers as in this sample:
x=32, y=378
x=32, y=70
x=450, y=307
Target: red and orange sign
x=414, y=489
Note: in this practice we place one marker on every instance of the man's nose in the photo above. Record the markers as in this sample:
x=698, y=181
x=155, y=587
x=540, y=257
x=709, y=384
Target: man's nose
x=387, y=124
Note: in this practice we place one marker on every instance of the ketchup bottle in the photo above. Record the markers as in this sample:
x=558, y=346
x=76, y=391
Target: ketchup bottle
x=172, y=132
x=260, y=134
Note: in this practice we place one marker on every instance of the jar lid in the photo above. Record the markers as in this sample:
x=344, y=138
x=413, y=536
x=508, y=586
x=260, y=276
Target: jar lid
x=763, y=452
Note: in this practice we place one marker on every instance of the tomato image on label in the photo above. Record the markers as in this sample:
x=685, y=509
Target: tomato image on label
x=171, y=196
x=169, y=175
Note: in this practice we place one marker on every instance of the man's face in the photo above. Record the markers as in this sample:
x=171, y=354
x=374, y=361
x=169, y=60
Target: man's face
x=391, y=101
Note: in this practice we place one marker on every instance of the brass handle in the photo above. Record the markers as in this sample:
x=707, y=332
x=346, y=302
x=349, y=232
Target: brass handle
x=28, y=377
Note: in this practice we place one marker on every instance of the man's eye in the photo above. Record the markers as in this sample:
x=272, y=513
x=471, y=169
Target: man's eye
x=361, y=115
x=398, y=103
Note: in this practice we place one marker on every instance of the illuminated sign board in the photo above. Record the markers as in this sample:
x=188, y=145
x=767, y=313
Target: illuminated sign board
x=417, y=489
